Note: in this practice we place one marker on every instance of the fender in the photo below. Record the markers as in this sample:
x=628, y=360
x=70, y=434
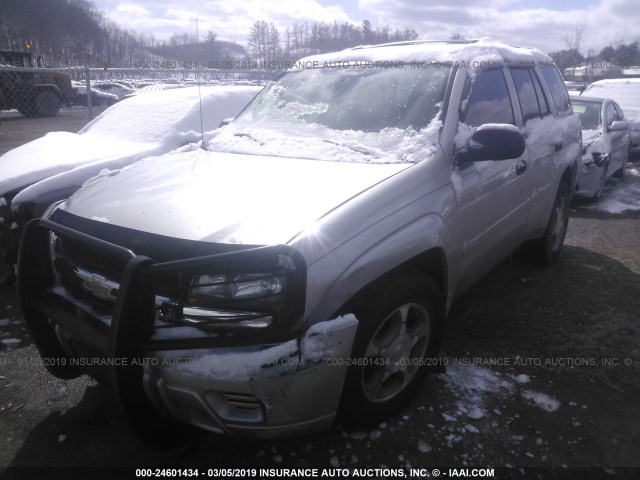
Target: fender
x=379, y=257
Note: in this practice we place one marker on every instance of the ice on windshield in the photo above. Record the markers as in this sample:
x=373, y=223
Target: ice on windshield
x=342, y=114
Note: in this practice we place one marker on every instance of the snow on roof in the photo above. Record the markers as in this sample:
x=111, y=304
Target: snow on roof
x=625, y=91
x=485, y=50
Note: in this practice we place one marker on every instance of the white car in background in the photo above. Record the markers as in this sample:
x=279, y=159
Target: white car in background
x=98, y=97
x=118, y=89
x=54, y=166
x=626, y=92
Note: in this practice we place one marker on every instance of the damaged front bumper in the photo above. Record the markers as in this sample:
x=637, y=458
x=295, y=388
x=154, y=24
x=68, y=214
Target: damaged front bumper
x=590, y=174
x=266, y=382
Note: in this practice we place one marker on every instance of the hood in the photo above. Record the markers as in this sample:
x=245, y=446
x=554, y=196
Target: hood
x=224, y=197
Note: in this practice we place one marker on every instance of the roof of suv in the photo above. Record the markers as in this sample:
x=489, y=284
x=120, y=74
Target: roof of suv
x=486, y=51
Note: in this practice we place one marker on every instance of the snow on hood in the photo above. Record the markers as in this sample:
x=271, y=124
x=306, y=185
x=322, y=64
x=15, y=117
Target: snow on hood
x=224, y=197
x=143, y=125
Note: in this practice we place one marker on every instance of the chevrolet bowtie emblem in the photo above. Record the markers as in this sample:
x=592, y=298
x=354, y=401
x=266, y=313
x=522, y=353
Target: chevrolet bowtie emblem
x=98, y=286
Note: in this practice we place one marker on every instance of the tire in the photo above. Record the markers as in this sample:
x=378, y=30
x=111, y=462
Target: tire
x=601, y=181
x=46, y=104
x=400, y=320
x=28, y=111
x=620, y=172
x=547, y=248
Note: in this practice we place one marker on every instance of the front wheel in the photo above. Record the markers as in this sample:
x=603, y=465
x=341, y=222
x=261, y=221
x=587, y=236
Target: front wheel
x=620, y=172
x=399, y=331
x=601, y=181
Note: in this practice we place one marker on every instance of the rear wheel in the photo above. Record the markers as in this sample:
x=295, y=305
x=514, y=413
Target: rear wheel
x=46, y=104
x=547, y=248
x=399, y=330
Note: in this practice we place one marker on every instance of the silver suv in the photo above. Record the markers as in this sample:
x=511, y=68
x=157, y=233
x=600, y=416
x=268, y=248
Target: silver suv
x=301, y=264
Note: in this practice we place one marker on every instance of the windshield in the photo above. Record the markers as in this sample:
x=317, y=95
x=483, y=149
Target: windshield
x=343, y=114
x=589, y=113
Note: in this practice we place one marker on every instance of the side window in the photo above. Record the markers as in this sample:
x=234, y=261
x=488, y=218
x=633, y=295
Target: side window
x=542, y=99
x=489, y=101
x=526, y=93
x=558, y=90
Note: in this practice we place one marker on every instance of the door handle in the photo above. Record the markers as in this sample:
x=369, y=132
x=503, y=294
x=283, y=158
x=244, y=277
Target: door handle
x=521, y=166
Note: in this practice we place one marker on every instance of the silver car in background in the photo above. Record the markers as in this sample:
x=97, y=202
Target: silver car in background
x=605, y=144
x=626, y=93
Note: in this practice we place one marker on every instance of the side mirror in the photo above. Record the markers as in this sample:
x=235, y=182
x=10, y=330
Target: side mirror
x=225, y=122
x=618, y=126
x=492, y=141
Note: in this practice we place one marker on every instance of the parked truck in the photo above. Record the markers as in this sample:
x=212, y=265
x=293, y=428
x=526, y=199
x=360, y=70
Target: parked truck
x=33, y=91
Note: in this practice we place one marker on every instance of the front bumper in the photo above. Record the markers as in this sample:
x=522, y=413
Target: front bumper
x=589, y=175
x=263, y=384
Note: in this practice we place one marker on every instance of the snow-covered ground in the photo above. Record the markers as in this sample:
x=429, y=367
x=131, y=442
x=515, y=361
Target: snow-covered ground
x=620, y=195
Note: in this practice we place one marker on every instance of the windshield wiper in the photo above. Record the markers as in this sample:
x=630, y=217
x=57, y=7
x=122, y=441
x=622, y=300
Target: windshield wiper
x=249, y=137
x=361, y=150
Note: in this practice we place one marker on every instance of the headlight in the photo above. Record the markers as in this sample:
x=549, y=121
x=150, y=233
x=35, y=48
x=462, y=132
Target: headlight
x=247, y=299
x=205, y=288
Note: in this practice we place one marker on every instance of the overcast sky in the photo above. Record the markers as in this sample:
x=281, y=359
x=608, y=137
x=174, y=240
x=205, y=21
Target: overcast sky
x=540, y=24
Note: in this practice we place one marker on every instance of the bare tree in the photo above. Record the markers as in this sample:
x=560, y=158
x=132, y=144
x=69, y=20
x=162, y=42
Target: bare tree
x=573, y=40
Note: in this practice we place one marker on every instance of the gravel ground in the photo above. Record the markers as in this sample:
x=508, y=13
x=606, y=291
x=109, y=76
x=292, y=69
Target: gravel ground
x=542, y=381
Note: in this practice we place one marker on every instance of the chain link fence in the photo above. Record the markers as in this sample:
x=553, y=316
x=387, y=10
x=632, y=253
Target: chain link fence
x=43, y=92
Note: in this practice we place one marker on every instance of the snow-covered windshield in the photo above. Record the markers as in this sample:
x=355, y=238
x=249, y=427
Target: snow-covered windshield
x=349, y=114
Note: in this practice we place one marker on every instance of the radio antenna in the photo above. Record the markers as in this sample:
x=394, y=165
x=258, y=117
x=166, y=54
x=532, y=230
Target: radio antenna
x=198, y=80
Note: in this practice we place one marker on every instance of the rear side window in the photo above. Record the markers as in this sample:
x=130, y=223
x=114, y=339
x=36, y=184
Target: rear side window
x=542, y=99
x=558, y=90
x=489, y=101
x=526, y=93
